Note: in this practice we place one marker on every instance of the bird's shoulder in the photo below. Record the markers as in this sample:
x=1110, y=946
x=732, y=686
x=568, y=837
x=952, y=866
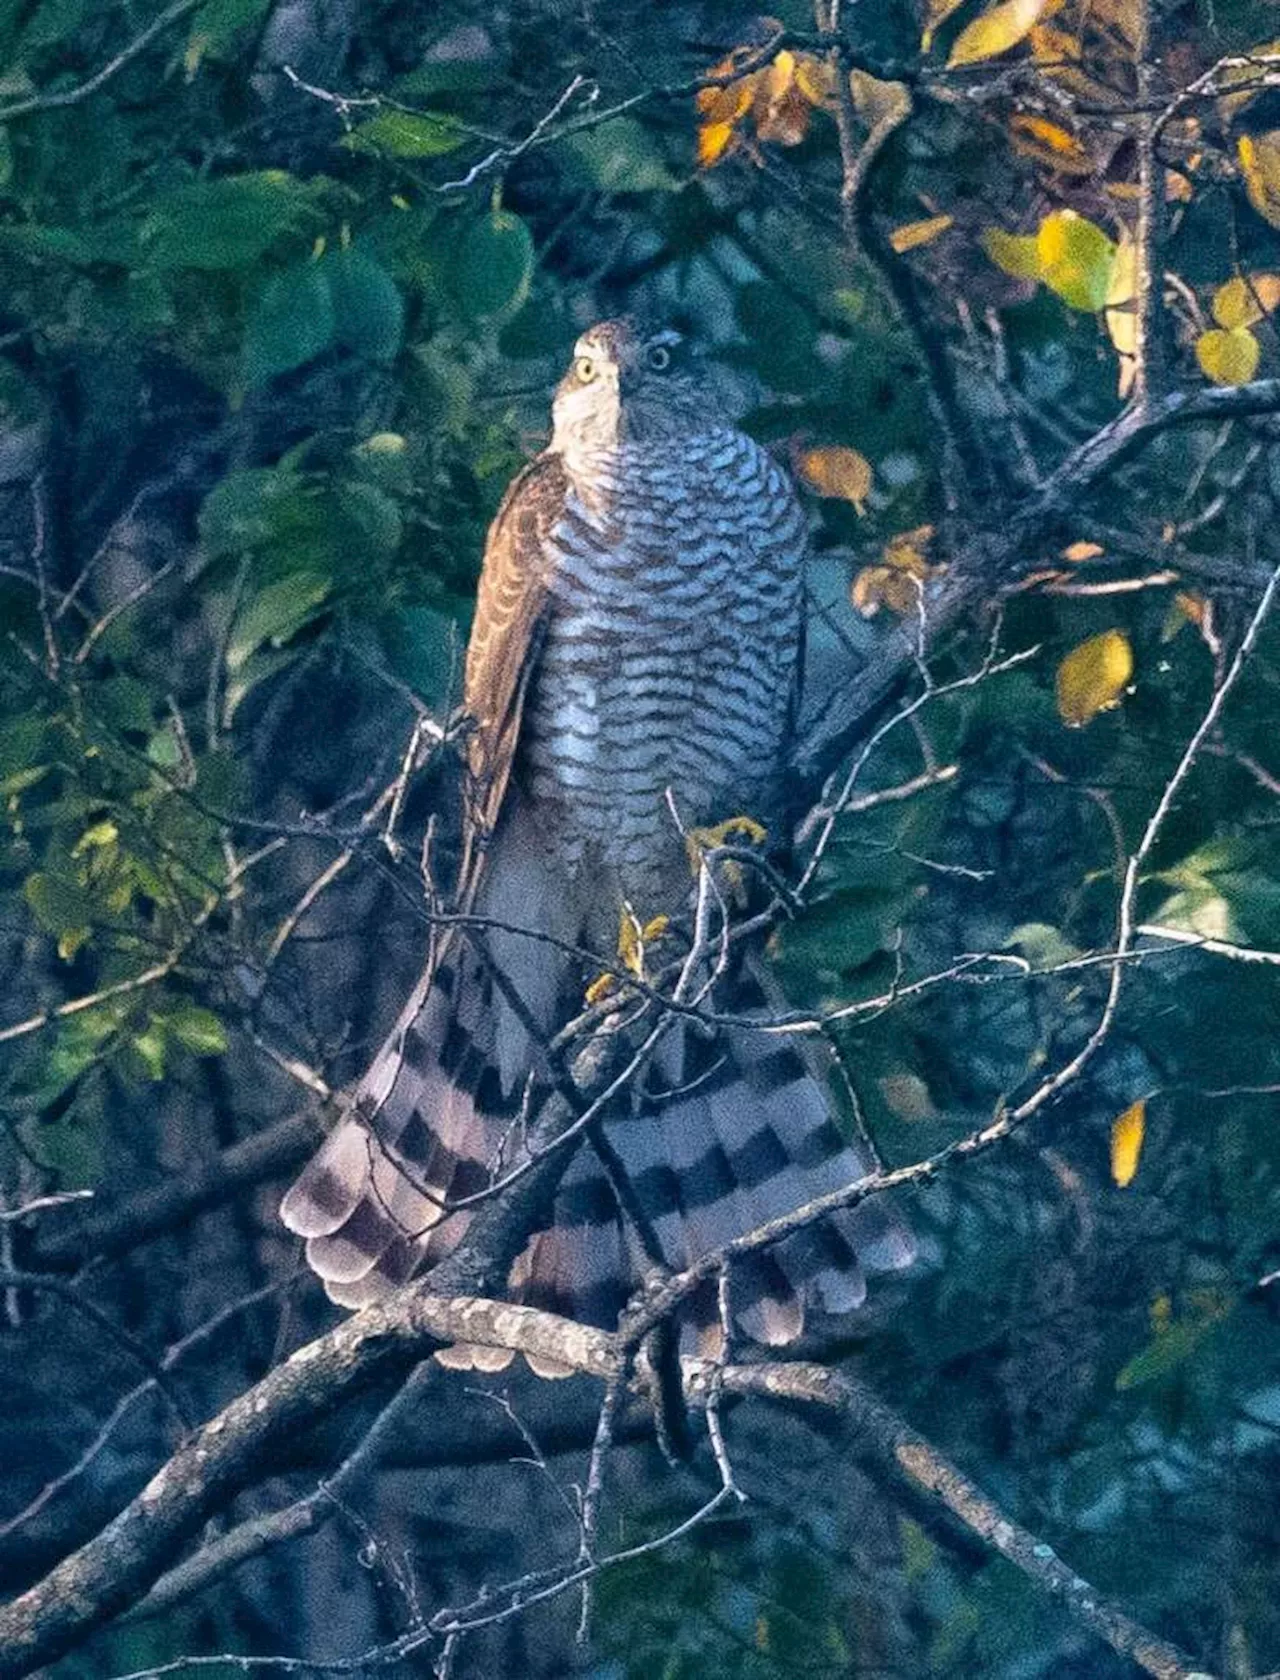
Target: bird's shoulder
x=533, y=501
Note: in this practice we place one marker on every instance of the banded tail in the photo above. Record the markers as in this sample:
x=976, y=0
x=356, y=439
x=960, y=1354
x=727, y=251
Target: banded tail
x=720, y=1134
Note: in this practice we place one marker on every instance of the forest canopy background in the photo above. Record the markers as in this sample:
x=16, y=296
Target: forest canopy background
x=284, y=288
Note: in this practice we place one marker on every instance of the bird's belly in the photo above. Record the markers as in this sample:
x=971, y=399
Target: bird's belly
x=631, y=738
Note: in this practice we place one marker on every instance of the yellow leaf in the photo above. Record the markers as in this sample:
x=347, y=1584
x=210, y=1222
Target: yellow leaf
x=1245, y=299
x=1121, y=314
x=938, y=13
x=911, y=234
x=780, y=107
x=1047, y=143
x=1077, y=552
x=698, y=841
x=881, y=586
x=996, y=31
x=103, y=833
x=879, y=102
x=1016, y=253
x=1093, y=676
x=599, y=988
x=895, y=581
x=1076, y=259
x=816, y=79
x=713, y=142
x=1127, y=1131
x=1260, y=164
x=906, y=551
x=837, y=471
x=1228, y=356
x=727, y=104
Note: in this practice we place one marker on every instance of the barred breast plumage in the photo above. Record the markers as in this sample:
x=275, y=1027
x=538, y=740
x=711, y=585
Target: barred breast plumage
x=632, y=672
x=670, y=653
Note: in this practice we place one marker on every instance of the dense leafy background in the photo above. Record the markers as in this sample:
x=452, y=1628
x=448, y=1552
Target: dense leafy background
x=267, y=362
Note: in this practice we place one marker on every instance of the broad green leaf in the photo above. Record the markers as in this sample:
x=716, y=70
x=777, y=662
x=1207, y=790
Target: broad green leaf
x=57, y=903
x=1016, y=253
x=149, y=1046
x=294, y=321
x=1093, y=676
x=494, y=265
x=997, y=30
x=1170, y=1349
x=198, y=1030
x=1076, y=259
x=621, y=157
x=406, y=134
x=368, y=311
x=230, y=222
x=217, y=26
x=275, y=614
x=247, y=509
x=1228, y=355
x=375, y=525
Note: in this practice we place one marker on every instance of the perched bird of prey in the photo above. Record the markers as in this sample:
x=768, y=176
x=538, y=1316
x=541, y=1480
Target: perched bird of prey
x=631, y=677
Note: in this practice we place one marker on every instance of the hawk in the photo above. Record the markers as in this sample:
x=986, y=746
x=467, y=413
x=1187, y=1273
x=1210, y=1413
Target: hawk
x=632, y=676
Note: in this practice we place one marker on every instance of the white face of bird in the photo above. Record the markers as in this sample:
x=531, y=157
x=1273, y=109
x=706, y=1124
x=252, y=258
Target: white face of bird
x=624, y=385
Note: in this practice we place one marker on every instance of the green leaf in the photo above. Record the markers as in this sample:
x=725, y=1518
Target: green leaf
x=1076, y=259
x=374, y=519
x=406, y=134
x=198, y=1030
x=1171, y=1348
x=367, y=307
x=55, y=21
x=149, y=1046
x=247, y=509
x=59, y=905
x=294, y=321
x=493, y=266
x=217, y=25
x=276, y=614
x=1016, y=253
x=620, y=157
x=228, y=223
x=385, y=459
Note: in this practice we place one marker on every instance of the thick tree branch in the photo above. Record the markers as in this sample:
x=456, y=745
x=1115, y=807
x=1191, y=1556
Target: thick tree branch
x=114, y=1570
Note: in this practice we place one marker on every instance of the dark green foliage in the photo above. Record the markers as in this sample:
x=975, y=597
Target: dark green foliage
x=266, y=368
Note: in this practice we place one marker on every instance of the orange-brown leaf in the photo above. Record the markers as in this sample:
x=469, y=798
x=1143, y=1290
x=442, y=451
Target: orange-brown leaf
x=1050, y=144
x=837, y=471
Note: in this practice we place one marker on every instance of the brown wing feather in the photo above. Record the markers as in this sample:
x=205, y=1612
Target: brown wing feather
x=417, y=1129
x=507, y=631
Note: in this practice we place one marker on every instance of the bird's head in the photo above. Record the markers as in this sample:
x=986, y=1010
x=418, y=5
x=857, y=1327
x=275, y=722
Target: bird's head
x=627, y=384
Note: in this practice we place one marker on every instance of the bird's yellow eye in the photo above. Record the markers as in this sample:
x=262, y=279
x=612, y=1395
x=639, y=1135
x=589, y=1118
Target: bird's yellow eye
x=585, y=369
x=659, y=358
